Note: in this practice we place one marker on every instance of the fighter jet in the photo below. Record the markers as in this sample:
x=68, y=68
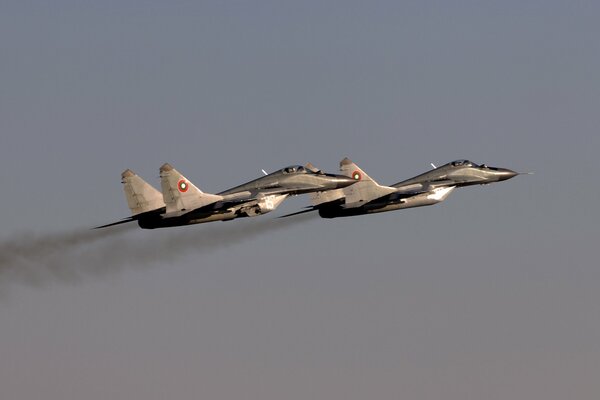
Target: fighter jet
x=432, y=187
x=182, y=203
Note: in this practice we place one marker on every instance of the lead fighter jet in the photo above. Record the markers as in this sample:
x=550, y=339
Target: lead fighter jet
x=182, y=203
x=432, y=187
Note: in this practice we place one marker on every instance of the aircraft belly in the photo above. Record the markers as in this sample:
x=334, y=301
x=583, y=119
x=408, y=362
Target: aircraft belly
x=180, y=221
x=420, y=200
x=214, y=217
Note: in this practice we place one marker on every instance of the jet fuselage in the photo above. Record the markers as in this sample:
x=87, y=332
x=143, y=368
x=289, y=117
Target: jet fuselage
x=293, y=180
x=250, y=199
x=426, y=189
x=461, y=173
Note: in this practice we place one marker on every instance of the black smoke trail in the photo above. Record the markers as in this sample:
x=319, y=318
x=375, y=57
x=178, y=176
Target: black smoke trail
x=38, y=260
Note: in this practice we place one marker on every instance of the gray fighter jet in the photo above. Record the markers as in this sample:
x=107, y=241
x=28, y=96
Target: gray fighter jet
x=432, y=187
x=182, y=203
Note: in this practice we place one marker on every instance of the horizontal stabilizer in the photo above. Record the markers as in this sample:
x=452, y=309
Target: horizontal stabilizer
x=123, y=221
x=299, y=212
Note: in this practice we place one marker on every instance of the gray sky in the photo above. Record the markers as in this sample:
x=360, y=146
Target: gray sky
x=494, y=294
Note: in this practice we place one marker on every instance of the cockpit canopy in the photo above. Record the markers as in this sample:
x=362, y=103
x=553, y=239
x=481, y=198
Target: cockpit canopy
x=463, y=163
x=293, y=169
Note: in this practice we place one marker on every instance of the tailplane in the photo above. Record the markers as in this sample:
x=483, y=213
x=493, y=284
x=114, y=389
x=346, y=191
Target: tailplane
x=179, y=194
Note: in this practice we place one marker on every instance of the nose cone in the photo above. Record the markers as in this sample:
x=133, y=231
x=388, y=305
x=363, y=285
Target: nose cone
x=341, y=181
x=504, y=174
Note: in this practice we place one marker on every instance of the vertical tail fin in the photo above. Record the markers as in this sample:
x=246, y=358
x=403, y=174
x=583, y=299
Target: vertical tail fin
x=180, y=194
x=141, y=196
x=348, y=168
x=363, y=191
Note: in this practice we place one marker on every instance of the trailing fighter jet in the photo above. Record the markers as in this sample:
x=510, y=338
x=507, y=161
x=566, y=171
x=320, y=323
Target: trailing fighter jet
x=182, y=203
x=367, y=196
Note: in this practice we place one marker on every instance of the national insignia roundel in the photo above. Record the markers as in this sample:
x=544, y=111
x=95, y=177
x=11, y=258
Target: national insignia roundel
x=356, y=175
x=182, y=186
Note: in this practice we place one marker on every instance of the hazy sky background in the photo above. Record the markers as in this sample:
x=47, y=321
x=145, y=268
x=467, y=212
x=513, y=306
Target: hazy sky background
x=493, y=294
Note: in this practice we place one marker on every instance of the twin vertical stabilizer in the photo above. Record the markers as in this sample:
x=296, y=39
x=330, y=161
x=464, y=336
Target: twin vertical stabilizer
x=365, y=189
x=180, y=194
x=141, y=196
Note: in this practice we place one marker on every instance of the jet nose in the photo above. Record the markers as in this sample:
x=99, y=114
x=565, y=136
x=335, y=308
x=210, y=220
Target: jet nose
x=342, y=181
x=504, y=174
